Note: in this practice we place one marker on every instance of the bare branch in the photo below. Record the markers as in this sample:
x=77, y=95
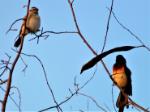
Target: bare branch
x=131, y=102
x=72, y=94
x=11, y=99
x=10, y=28
x=19, y=94
x=107, y=27
x=46, y=34
x=128, y=30
x=83, y=38
x=91, y=98
x=5, y=64
x=46, y=78
x=3, y=81
x=113, y=99
x=12, y=68
x=71, y=2
x=24, y=69
x=78, y=29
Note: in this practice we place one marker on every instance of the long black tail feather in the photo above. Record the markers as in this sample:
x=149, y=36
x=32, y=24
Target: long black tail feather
x=17, y=43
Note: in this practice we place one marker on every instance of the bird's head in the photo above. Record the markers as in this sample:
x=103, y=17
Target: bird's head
x=120, y=60
x=34, y=10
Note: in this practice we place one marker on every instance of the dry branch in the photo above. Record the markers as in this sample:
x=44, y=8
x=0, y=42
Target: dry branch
x=10, y=28
x=12, y=68
x=45, y=75
x=72, y=94
x=17, y=105
x=46, y=34
x=107, y=27
x=128, y=30
x=91, y=98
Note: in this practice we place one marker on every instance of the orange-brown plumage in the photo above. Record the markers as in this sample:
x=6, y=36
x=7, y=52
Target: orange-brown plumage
x=122, y=76
x=119, y=76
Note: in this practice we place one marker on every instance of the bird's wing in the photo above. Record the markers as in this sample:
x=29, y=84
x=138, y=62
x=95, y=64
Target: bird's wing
x=128, y=88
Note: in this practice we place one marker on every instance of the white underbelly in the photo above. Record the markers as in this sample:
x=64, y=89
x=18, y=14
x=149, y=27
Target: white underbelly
x=34, y=23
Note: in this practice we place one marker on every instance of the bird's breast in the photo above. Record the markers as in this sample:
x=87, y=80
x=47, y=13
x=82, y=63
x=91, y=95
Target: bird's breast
x=120, y=77
x=34, y=23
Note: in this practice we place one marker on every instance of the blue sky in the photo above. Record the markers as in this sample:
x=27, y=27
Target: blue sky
x=63, y=55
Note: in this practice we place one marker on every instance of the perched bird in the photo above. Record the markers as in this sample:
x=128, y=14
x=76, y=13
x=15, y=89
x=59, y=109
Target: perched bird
x=122, y=77
x=32, y=25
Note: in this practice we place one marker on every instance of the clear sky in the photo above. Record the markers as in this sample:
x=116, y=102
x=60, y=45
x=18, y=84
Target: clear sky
x=63, y=55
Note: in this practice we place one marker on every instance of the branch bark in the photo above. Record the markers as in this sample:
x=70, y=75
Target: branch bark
x=9, y=82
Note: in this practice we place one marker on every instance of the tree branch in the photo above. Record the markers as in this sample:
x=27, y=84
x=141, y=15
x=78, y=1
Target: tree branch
x=107, y=28
x=12, y=68
x=42, y=34
x=46, y=78
x=128, y=30
x=10, y=28
x=72, y=94
x=91, y=98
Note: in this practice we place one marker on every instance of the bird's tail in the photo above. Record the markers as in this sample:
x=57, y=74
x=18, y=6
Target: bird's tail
x=122, y=101
x=121, y=109
x=17, y=43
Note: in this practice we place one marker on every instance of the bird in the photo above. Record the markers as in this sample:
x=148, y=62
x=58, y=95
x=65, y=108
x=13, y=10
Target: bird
x=122, y=77
x=33, y=22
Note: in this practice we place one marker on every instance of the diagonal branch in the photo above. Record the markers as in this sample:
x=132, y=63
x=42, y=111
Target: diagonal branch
x=3, y=81
x=10, y=78
x=19, y=94
x=45, y=75
x=6, y=65
x=137, y=105
x=83, y=38
x=91, y=98
x=9, y=82
x=107, y=28
x=17, y=105
x=72, y=94
x=113, y=99
x=10, y=28
x=128, y=30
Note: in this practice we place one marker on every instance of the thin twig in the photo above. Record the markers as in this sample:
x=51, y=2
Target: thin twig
x=10, y=98
x=128, y=30
x=24, y=69
x=3, y=81
x=10, y=28
x=137, y=105
x=42, y=34
x=107, y=27
x=19, y=94
x=6, y=64
x=72, y=94
x=91, y=98
x=5, y=69
x=113, y=99
x=46, y=78
x=78, y=29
